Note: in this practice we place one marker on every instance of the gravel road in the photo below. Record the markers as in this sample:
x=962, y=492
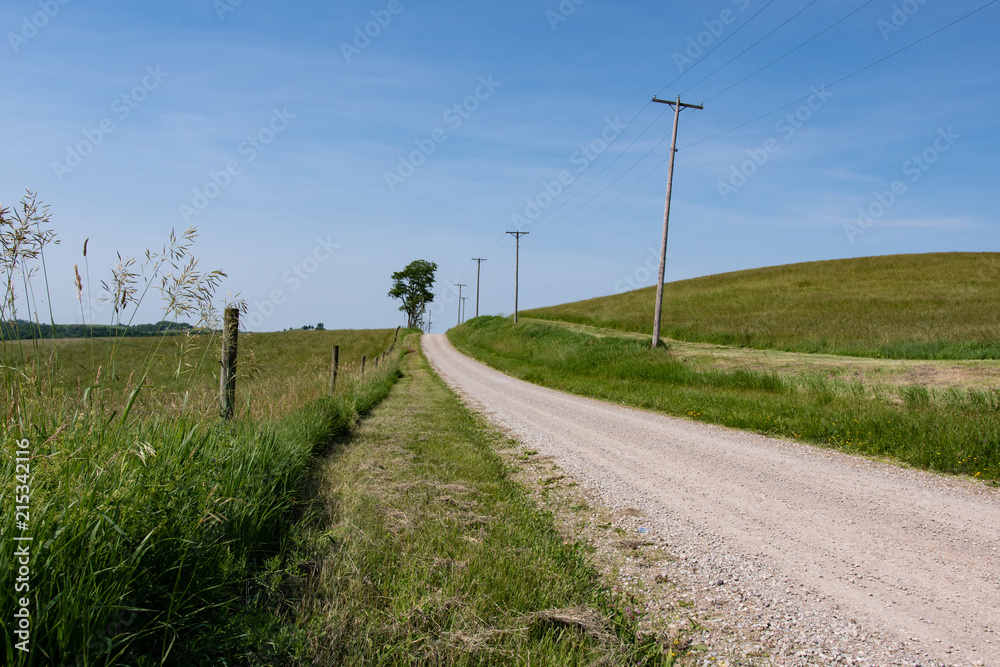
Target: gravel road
x=821, y=557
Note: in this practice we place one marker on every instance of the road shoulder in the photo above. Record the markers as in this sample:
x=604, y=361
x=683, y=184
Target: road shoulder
x=425, y=551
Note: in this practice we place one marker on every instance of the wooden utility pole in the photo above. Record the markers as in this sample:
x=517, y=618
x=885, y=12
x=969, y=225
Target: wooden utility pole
x=479, y=267
x=334, y=367
x=677, y=105
x=227, y=377
x=460, y=286
x=464, y=299
x=517, y=267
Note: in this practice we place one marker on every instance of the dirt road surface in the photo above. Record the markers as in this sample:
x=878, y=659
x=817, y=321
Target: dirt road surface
x=822, y=558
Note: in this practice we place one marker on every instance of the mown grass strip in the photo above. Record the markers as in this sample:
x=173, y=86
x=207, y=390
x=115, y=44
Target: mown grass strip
x=424, y=551
x=960, y=433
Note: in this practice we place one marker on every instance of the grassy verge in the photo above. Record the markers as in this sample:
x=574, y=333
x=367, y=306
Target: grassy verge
x=928, y=306
x=422, y=550
x=156, y=540
x=956, y=432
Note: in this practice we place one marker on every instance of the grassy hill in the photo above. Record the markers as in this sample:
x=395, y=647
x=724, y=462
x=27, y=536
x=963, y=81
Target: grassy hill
x=938, y=305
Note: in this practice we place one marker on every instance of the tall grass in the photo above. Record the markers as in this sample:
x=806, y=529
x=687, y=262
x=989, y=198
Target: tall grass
x=30, y=368
x=952, y=431
x=22, y=247
x=155, y=526
x=151, y=539
x=930, y=306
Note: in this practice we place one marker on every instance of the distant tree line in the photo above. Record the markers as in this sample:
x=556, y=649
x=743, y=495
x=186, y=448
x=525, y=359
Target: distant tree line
x=25, y=330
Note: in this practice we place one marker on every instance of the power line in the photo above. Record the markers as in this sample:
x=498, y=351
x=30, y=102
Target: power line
x=851, y=75
x=610, y=203
x=728, y=62
x=608, y=186
x=826, y=29
x=600, y=173
x=715, y=48
x=605, y=188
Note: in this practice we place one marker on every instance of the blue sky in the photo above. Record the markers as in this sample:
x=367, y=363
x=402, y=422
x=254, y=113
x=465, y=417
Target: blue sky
x=319, y=147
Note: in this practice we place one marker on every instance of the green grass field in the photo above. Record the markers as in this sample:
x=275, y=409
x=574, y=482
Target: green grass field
x=951, y=430
x=276, y=372
x=157, y=531
x=931, y=306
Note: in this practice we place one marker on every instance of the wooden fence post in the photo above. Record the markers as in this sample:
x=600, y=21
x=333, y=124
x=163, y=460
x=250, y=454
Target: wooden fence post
x=227, y=377
x=362, y=367
x=333, y=369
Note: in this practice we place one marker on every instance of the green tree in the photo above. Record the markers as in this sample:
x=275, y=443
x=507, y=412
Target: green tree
x=413, y=286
